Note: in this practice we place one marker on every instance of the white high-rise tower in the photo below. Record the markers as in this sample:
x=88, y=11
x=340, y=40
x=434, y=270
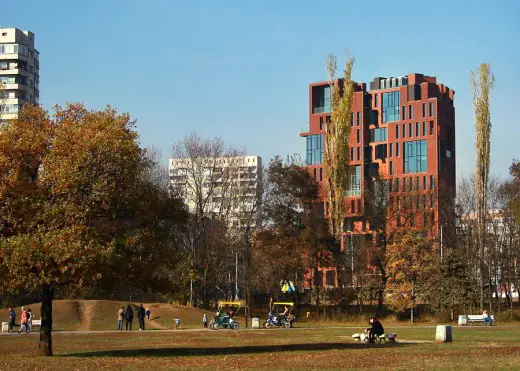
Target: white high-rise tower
x=19, y=71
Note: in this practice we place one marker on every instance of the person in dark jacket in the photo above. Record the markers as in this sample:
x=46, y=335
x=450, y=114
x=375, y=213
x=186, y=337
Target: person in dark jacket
x=129, y=317
x=140, y=316
x=12, y=319
x=376, y=328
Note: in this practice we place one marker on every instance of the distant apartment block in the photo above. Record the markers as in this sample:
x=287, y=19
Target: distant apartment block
x=19, y=71
x=227, y=188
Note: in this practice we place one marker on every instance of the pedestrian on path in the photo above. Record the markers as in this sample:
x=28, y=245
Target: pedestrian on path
x=148, y=312
x=140, y=317
x=205, y=321
x=120, y=318
x=12, y=319
x=23, y=321
x=29, y=320
x=129, y=317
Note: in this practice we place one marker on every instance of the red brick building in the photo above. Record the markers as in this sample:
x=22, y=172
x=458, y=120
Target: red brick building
x=402, y=152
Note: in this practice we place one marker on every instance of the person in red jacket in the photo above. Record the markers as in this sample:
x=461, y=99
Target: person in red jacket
x=23, y=320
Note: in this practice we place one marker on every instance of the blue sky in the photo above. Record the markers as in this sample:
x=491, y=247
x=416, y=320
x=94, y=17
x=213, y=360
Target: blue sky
x=240, y=69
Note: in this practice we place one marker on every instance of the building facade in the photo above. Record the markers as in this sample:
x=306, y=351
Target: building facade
x=229, y=188
x=402, y=152
x=19, y=71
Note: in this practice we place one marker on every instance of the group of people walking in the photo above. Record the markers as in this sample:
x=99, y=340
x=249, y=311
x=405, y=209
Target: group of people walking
x=25, y=320
x=126, y=316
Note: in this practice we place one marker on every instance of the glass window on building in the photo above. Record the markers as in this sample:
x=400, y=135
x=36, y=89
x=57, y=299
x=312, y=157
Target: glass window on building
x=378, y=135
x=397, y=131
x=404, y=184
x=431, y=109
x=424, y=110
x=424, y=128
x=432, y=182
x=353, y=121
x=410, y=131
x=391, y=167
x=391, y=150
x=321, y=99
x=358, y=136
x=376, y=100
x=424, y=182
x=397, y=185
x=404, y=130
x=358, y=150
x=417, y=128
x=410, y=112
x=404, y=113
x=330, y=278
x=397, y=149
x=431, y=127
x=415, y=156
x=314, y=149
x=391, y=104
x=358, y=118
x=353, y=188
x=352, y=153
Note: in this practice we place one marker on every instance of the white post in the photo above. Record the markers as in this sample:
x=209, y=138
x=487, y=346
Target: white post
x=191, y=293
x=236, y=275
x=442, y=252
x=352, y=256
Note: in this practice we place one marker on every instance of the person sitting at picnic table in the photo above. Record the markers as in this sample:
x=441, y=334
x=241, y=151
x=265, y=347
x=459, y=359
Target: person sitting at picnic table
x=487, y=318
x=376, y=328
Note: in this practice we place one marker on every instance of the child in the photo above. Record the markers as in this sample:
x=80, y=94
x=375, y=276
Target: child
x=147, y=313
x=177, y=323
x=205, y=321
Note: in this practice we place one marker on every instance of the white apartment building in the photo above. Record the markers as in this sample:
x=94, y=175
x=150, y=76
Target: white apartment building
x=229, y=188
x=19, y=71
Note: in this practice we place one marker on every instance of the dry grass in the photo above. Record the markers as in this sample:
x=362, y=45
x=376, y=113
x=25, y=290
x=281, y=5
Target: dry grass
x=474, y=348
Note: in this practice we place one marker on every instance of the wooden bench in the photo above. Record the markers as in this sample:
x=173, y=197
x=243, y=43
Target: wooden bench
x=363, y=337
x=37, y=322
x=479, y=318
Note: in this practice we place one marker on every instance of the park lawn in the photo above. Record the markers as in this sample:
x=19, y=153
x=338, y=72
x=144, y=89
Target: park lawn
x=473, y=348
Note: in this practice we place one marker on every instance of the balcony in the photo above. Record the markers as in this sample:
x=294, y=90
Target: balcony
x=321, y=109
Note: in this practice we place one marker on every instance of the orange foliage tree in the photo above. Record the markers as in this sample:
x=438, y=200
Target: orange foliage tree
x=77, y=204
x=410, y=262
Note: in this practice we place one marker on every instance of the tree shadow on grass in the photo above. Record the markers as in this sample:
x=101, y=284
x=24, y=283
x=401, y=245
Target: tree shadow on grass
x=252, y=349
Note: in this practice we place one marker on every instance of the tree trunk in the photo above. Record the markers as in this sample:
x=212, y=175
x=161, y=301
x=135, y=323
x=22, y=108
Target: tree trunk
x=45, y=346
x=205, y=291
x=317, y=287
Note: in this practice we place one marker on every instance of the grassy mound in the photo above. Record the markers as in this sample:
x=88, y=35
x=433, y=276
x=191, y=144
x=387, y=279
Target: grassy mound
x=102, y=315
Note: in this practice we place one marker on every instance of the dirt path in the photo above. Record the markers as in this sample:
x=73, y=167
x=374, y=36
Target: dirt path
x=152, y=324
x=87, y=310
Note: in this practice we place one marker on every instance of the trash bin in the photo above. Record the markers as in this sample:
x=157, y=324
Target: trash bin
x=255, y=323
x=5, y=326
x=463, y=320
x=443, y=334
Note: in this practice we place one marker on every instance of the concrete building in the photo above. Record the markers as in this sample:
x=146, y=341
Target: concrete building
x=19, y=71
x=402, y=149
x=226, y=187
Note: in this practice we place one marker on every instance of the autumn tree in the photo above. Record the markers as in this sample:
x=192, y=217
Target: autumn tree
x=511, y=190
x=451, y=286
x=410, y=263
x=77, y=204
x=336, y=144
x=281, y=248
x=223, y=193
x=482, y=83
